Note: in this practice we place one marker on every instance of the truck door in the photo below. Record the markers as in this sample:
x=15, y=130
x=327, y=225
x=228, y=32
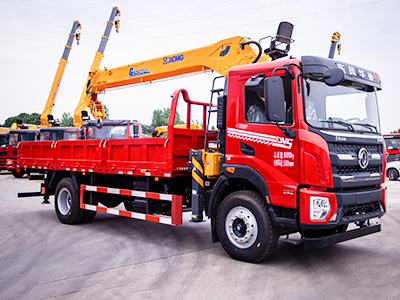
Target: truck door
x=262, y=145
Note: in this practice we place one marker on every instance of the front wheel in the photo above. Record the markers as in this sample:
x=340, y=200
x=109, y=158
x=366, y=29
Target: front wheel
x=245, y=228
x=392, y=174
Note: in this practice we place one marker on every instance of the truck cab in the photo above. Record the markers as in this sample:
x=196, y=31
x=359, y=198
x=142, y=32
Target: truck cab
x=3, y=150
x=15, y=137
x=110, y=129
x=392, y=142
x=305, y=135
x=58, y=133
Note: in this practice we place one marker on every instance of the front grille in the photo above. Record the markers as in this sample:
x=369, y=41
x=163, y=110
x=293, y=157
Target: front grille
x=351, y=148
x=361, y=211
x=347, y=170
x=393, y=157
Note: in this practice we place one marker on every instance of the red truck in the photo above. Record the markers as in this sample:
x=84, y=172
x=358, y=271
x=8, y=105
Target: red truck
x=297, y=148
x=392, y=142
x=15, y=137
x=3, y=150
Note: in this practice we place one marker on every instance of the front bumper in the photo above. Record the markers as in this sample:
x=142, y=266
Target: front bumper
x=346, y=207
x=321, y=242
x=11, y=164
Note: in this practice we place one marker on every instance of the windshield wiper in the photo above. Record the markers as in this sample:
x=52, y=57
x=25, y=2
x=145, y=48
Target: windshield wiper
x=369, y=126
x=348, y=125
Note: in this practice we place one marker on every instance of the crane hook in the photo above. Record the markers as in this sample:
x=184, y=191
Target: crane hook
x=99, y=124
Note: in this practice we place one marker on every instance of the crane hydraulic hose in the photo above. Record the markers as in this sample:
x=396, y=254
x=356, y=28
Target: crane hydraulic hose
x=259, y=49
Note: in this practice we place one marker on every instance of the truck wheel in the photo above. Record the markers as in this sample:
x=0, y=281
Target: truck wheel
x=88, y=215
x=245, y=228
x=67, y=202
x=18, y=174
x=392, y=174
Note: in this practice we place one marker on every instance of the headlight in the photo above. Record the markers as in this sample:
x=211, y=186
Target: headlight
x=319, y=207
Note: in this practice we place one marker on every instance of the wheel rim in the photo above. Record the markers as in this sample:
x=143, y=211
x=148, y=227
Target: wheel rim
x=392, y=174
x=64, y=201
x=241, y=227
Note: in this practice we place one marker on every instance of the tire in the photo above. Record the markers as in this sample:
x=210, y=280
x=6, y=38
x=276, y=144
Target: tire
x=66, y=202
x=19, y=174
x=392, y=174
x=244, y=227
x=88, y=215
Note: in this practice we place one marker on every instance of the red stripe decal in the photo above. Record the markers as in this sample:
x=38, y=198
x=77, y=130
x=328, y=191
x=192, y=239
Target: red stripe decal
x=125, y=213
x=101, y=209
x=125, y=192
x=152, y=218
x=101, y=189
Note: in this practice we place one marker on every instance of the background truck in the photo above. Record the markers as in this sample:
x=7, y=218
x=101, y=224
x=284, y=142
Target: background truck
x=15, y=137
x=297, y=148
x=392, y=142
x=3, y=147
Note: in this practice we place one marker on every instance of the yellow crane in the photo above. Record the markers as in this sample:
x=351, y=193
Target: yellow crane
x=86, y=98
x=46, y=117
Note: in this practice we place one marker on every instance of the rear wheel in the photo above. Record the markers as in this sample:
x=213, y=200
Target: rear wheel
x=67, y=202
x=245, y=228
x=393, y=174
x=88, y=215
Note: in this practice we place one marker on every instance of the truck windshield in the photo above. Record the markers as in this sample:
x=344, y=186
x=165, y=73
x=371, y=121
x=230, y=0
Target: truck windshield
x=348, y=108
x=2, y=139
x=392, y=142
x=21, y=137
x=63, y=134
x=107, y=132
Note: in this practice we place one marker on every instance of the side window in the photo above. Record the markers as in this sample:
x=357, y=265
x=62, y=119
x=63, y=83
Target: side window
x=44, y=136
x=14, y=139
x=255, y=110
x=134, y=131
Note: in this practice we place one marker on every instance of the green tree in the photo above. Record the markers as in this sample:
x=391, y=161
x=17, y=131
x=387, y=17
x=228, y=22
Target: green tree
x=67, y=120
x=160, y=118
x=106, y=112
x=33, y=118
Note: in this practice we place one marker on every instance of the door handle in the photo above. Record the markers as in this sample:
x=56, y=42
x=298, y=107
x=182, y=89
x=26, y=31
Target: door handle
x=246, y=149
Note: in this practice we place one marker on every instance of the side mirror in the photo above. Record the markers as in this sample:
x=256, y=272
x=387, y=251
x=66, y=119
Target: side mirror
x=274, y=99
x=50, y=119
x=334, y=76
x=84, y=115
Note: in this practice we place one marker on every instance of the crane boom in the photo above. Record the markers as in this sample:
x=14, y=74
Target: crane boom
x=219, y=57
x=85, y=100
x=48, y=109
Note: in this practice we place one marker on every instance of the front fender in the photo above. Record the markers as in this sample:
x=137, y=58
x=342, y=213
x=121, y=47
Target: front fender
x=238, y=172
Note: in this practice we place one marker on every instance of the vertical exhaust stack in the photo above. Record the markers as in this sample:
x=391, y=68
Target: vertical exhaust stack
x=283, y=37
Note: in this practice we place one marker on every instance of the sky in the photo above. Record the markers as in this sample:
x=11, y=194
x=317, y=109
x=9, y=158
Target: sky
x=34, y=32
